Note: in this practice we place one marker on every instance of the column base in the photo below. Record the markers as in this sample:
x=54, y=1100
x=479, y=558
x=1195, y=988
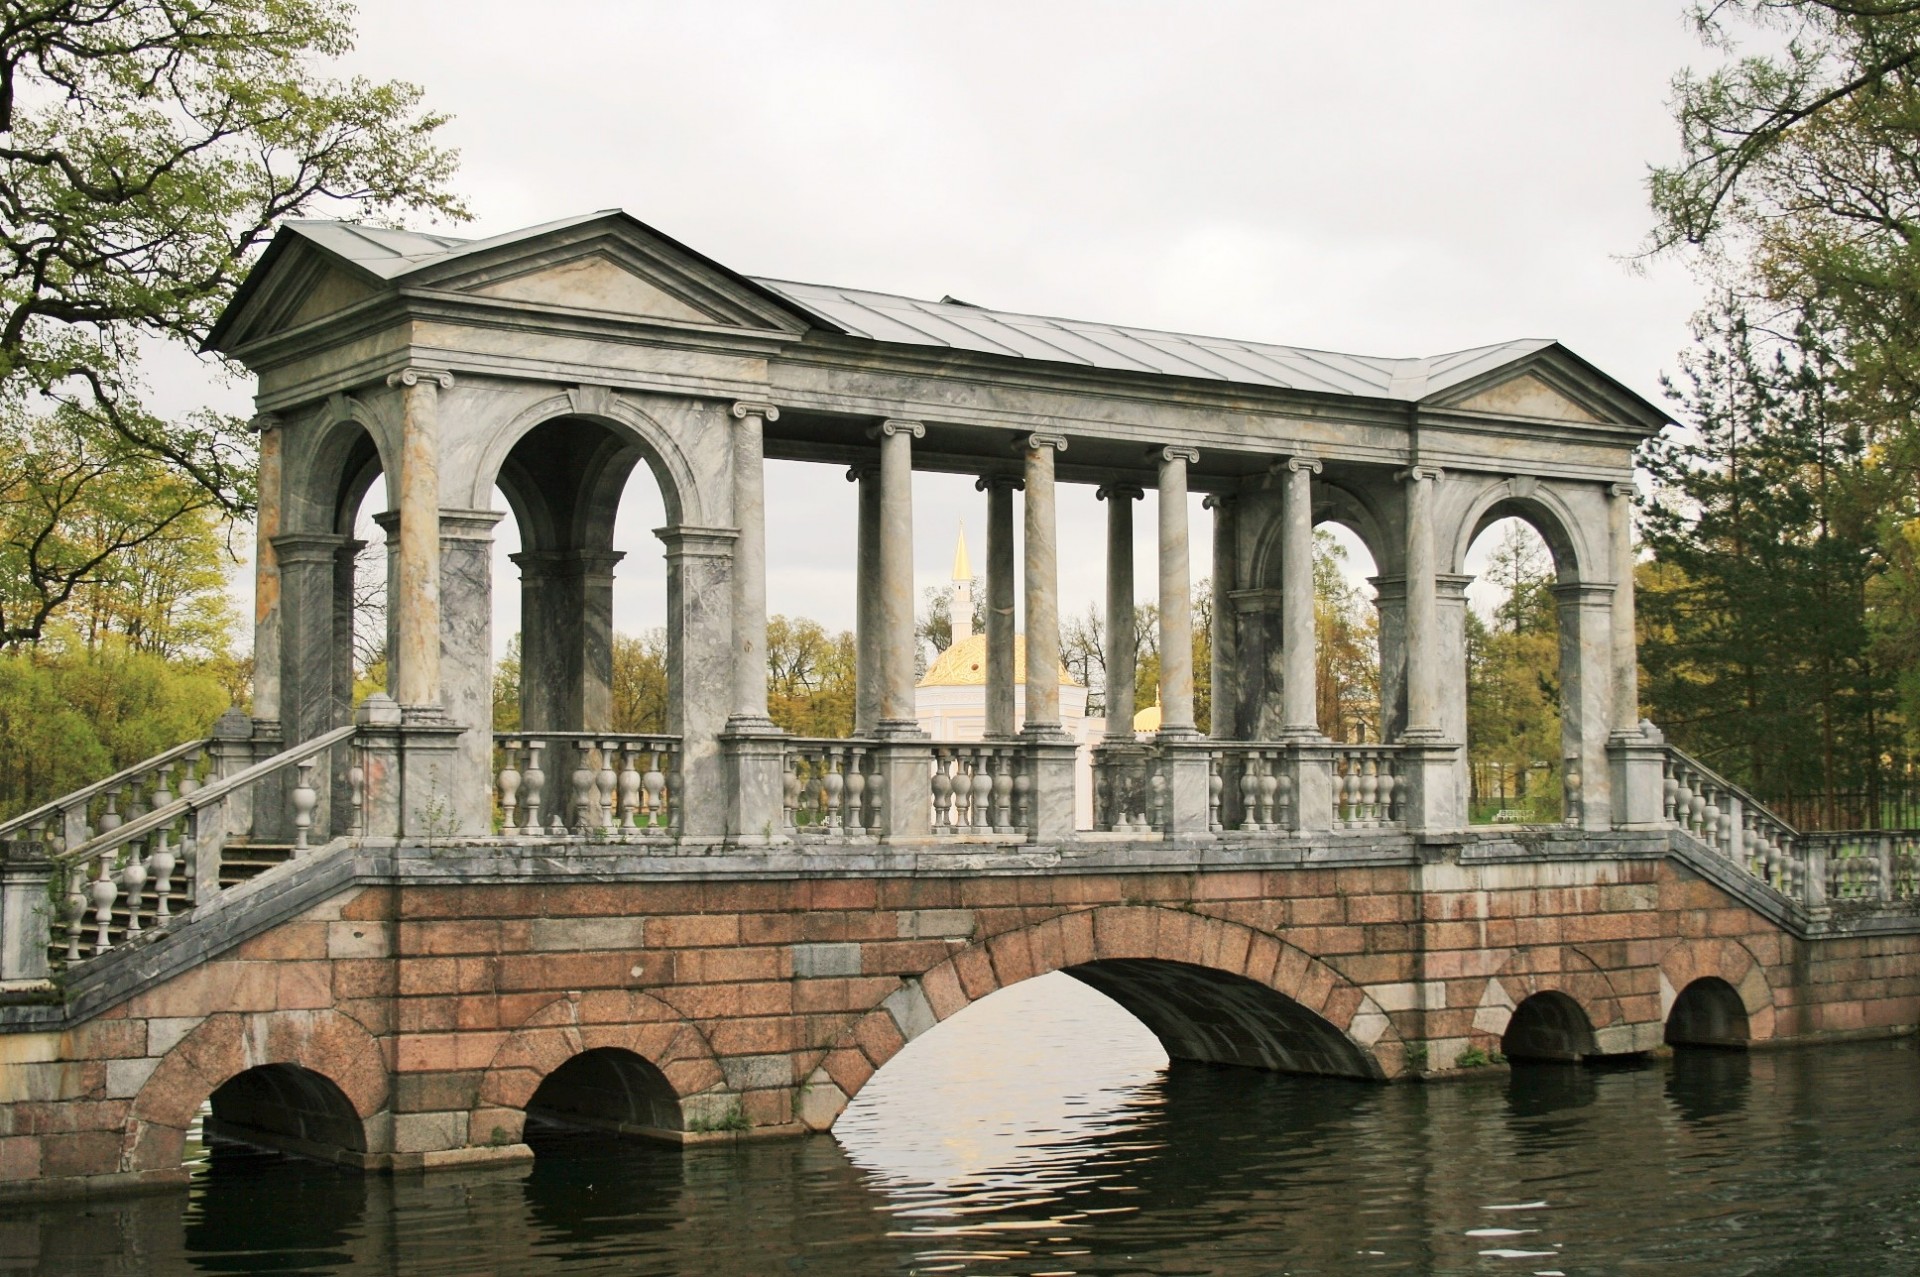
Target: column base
x=752, y=725
x=1186, y=760
x=754, y=763
x=1045, y=734
x=1051, y=802
x=1428, y=769
x=899, y=729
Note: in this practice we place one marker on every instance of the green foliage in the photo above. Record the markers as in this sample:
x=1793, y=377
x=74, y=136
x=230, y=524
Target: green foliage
x=1347, y=648
x=71, y=715
x=1758, y=629
x=1513, y=687
x=146, y=152
x=810, y=677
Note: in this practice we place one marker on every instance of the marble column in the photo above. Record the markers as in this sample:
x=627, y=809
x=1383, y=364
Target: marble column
x=416, y=602
x=345, y=572
x=699, y=687
x=266, y=574
x=749, y=595
x=1225, y=656
x=466, y=663
x=895, y=605
x=1042, y=589
x=1299, y=688
x=566, y=639
x=1001, y=722
x=1176, y=591
x=1626, y=663
x=867, y=628
x=1119, y=656
x=306, y=565
x=1421, y=623
x=1390, y=608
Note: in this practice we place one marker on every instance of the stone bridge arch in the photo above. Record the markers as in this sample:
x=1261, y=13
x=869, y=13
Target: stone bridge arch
x=1561, y=970
x=569, y=1027
x=1726, y=960
x=1209, y=989
x=224, y=1046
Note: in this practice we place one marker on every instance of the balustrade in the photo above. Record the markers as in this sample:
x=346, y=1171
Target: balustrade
x=1128, y=792
x=981, y=790
x=610, y=785
x=832, y=789
x=1366, y=786
x=1249, y=788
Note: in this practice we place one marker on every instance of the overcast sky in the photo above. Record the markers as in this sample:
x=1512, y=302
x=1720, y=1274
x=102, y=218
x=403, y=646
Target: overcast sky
x=1401, y=177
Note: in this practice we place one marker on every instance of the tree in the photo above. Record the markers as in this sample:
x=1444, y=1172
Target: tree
x=1513, y=682
x=810, y=677
x=1759, y=635
x=1347, y=647
x=147, y=149
x=640, y=682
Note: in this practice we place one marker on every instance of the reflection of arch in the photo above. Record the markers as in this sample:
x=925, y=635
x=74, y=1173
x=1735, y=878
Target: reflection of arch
x=226, y=1045
x=1209, y=989
x=630, y=1023
x=1541, y=508
x=1549, y=1026
x=679, y=490
x=1728, y=963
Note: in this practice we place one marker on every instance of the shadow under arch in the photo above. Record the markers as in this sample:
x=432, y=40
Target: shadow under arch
x=291, y=1109
x=613, y=414
x=1709, y=1012
x=1541, y=509
x=606, y=1088
x=1551, y=1026
x=1211, y=990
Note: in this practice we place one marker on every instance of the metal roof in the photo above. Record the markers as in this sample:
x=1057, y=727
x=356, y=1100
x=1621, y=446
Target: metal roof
x=955, y=325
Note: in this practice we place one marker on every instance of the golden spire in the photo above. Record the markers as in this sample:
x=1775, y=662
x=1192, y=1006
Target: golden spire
x=962, y=569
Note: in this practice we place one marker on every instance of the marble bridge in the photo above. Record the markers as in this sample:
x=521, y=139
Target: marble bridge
x=386, y=935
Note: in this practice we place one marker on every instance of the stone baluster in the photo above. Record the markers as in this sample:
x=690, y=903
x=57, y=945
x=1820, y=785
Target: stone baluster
x=855, y=793
x=1669, y=790
x=535, y=781
x=304, y=801
x=1215, y=786
x=832, y=785
x=160, y=861
x=983, y=792
x=606, y=788
x=585, y=799
x=790, y=791
x=1280, y=797
x=636, y=812
x=1022, y=796
x=941, y=784
x=76, y=908
x=508, y=784
x=103, y=894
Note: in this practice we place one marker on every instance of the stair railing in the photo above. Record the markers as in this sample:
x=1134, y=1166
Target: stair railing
x=69, y=817
x=186, y=833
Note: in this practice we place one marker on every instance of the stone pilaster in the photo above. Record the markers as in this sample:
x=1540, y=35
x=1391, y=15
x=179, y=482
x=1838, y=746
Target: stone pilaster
x=1299, y=691
x=266, y=572
x=867, y=626
x=1226, y=629
x=415, y=602
x=1001, y=722
x=1176, y=592
x=699, y=688
x=466, y=664
x=1119, y=656
x=749, y=596
x=25, y=915
x=895, y=607
x=1586, y=699
x=1043, y=595
x=307, y=568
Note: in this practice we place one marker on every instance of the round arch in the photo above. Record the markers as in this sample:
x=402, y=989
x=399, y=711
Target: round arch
x=679, y=489
x=1209, y=988
x=1549, y=1025
x=1729, y=963
x=331, y=459
x=1542, y=509
x=1561, y=970
x=1334, y=502
x=325, y=1043
x=632, y=1024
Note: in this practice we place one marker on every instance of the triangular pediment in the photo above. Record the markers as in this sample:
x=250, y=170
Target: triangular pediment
x=329, y=292
x=600, y=280
x=1526, y=395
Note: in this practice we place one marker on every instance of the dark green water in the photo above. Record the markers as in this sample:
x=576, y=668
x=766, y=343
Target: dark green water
x=1040, y=1133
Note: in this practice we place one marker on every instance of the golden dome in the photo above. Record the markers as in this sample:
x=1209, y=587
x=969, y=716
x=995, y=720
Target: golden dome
x=1147, y=720
x=964, y=664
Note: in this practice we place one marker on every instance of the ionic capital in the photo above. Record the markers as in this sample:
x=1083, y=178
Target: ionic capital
x=896, y=426
x=1035, y=442
x=1622, y=490
x=413, y=375
x=1173, y=452
x=748, y=408
x=865, y=470
x=1008, y=482
x=261, y=422
x=1119, y=492
x=1222, y=501
x=1310, y=464
x=1419, y=473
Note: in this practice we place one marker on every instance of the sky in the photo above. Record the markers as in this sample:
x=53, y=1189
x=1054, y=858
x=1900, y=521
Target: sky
x=1402, y=177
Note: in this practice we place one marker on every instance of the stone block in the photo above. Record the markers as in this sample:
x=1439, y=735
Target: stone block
x=588, y=933
x=821, y=1101
x=910, y=1010
x=936, y=924
x=428, y=1132
x=126, y=1077
x=757, y=1072
x=817, y=961
x=357, y=940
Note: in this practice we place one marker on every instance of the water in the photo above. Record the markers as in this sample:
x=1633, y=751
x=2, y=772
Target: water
x=1041, y=1132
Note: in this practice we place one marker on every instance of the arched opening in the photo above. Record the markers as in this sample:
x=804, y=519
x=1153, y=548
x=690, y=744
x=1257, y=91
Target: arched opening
x=606, y=1089
x=289, y=1109
x=1519, y=757
x=1549, y=1026
x=1708, y=1013
x=1347, y=630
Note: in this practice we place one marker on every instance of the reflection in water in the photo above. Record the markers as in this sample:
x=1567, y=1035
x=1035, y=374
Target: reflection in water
x=1040, y=1132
